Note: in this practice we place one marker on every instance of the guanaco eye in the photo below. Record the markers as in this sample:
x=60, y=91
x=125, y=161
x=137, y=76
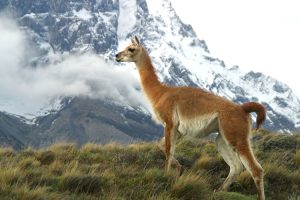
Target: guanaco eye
x=131, y=50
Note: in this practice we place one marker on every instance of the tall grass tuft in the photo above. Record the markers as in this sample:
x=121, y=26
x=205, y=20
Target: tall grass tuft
x=65, y=152
x=297, y=157
x=190, y=186
x=7, y=152
x=231, y=196
x=46, y=157
x=83, y=184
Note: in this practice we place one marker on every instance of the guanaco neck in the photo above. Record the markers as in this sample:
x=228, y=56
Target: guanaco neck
x=149, y=80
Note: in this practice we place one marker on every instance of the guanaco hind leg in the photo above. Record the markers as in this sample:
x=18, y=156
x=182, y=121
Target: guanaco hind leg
x=237, y=137
x=255, y=169
x=232, y=159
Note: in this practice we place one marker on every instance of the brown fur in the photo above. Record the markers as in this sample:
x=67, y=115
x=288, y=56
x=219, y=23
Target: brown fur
x=193, y=112
x=259, y=109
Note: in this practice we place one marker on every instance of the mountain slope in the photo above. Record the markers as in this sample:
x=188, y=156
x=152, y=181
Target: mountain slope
x=13, y=132
x=83, y=120
x=56, y=29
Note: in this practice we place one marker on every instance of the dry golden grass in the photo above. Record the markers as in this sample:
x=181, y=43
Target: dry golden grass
x=191, y=186
x=6, y=152
x=297, y=157
x=136, y=171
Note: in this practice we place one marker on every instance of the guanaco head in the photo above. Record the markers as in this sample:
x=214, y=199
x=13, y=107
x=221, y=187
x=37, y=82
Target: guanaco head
x=131, y=53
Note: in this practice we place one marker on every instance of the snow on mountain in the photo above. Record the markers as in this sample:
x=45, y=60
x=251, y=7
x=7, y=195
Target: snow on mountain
x=83, y=14
x=127, y=18
x=101, y=28
x=29, y=112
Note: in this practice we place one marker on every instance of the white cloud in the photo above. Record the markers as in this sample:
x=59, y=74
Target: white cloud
x=24, y=89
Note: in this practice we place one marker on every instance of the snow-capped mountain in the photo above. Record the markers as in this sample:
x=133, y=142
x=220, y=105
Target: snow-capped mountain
x=182, y=59
x=57, y=30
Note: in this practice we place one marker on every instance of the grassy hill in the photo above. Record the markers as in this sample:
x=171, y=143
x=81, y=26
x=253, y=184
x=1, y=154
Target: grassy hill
x=114, y=171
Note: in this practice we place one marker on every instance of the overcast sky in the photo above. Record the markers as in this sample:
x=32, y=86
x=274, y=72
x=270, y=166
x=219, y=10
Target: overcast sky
x=258, y=35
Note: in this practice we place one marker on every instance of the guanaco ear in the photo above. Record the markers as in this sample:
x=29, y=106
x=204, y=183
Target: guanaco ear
x=135, y=41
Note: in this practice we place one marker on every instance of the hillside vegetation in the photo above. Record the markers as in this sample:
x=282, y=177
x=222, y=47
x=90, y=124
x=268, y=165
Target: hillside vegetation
x=115, y=171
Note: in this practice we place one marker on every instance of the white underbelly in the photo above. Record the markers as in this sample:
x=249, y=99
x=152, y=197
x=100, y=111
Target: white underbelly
x=199, y=126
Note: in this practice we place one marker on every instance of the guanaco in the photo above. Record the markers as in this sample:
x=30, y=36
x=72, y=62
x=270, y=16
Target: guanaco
x=194, y=112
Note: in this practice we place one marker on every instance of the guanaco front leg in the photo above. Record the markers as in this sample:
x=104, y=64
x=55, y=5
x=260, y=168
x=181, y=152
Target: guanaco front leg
x=161, y=146
x=168, y=148
x=170, y=144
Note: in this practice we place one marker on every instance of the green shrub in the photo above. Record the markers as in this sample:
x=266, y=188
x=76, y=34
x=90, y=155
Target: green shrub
x=189, y=149
x=213, y=165
x=130, y=157
x=210, y=149
x=297, y=157
x=278, y=176
x=91, y=148
x=28, y=152
x=6, y=152
x=56, y=168
x=157, y=176
x=246, y=182
x=190, y=187
x=28, y=163
x=23, y=192
x=141, y=147
x=162, y=196
x=82, y=184
x=66, y=152
x=90, y=158
x=46, y=157
x=294, y=197
x=278, y=181
x=9, y=176
x=38, y=193
x=230, y=196
x=280, y=142
x=32, y=177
